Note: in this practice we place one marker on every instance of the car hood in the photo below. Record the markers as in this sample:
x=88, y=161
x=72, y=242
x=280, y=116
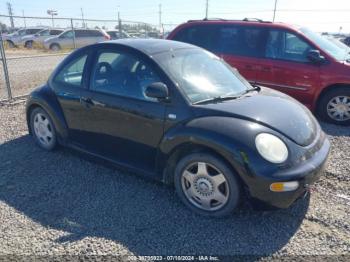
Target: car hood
x=274, y=110
x=50, y=39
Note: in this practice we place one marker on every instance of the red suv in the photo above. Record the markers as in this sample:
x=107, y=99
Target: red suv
x=291, y=59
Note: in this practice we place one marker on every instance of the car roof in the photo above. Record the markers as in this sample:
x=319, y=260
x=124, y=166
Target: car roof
x=151, y=46
x=245, y=22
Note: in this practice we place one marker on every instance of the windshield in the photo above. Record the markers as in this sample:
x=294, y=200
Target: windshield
x=44, y=32
x=338, y=43
x=332, y=49
x=202, y=75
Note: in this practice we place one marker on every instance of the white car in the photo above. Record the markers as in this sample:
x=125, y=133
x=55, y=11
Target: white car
x=39, y=38
x=16, y=39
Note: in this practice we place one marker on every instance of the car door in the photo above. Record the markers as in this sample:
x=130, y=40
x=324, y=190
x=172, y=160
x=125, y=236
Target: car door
x=68, y=83
x=66, y=40
x=120, y=122
x=81, y=37
x=242, y=47
x=287, y=68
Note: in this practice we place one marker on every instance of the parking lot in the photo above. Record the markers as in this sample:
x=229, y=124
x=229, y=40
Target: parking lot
x=62, y=203
x=28, y=69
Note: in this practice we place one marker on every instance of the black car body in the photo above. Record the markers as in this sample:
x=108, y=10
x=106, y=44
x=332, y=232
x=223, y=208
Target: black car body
x=152, y=136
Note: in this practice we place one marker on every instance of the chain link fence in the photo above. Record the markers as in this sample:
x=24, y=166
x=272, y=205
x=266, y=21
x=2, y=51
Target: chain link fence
x=31, y=47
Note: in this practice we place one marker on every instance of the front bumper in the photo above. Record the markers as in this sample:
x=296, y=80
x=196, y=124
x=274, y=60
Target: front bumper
x=306, y=173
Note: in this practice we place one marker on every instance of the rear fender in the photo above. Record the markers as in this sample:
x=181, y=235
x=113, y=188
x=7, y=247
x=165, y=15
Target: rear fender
x=45, y=98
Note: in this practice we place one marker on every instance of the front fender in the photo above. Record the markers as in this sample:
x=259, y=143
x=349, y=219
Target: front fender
x=44, y=97
x=231, y=138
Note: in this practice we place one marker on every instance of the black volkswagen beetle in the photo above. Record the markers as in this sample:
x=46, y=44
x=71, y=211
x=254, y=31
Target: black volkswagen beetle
x=177, y=113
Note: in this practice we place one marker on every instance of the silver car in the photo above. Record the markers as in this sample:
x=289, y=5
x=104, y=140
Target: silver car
x=38, y=39
x=82, y=37
x=16, y=38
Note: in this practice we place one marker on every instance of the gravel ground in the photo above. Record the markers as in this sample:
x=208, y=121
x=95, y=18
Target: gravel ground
x=60, y=203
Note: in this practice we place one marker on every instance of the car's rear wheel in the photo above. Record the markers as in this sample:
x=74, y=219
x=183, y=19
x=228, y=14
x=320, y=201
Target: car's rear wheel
x=43, y=129
x=207, y=185
x=334, y=106
x=10, y=44
x=28, y=44
x=55, y=47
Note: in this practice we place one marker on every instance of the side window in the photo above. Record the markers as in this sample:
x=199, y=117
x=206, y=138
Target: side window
x=72, y=73
x=80, y=33
x=55, y=32
x=242, y=41
x=286, y=46
x=44, y=33
x=95, y=33
x=33, y=31
x=228, y=40
x=122, y=74
x=68, y=34
x=202, y=36
x=21, y=32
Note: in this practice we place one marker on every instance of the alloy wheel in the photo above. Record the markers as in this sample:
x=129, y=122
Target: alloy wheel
x=338, y=108
x=43, y=129
x=205, y=186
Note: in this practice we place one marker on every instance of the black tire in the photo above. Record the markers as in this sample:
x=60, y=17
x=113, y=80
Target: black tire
x=233, y=184
x=55, y=47
x=322, y=110
x=28, y=44
x=10, y=44
x=53, y=140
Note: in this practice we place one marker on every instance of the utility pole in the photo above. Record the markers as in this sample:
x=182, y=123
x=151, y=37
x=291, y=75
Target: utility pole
x=10, y=11
x=206, y=8
x=160, y=17
x=119, y=25
x=274, y=11
x=82, y=16
x=24, y=19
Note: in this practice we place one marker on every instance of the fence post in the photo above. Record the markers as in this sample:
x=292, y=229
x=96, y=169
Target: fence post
x=120, y=27
x=71, y=24
x=4, y=65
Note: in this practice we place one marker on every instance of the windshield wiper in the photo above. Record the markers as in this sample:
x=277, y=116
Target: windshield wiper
x=215, y=99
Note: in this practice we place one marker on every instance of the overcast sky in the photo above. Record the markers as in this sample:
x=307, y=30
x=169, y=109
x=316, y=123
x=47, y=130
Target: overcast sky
x=320, y=15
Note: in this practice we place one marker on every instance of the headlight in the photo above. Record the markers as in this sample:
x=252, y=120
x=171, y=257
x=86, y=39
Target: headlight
x=271, y=148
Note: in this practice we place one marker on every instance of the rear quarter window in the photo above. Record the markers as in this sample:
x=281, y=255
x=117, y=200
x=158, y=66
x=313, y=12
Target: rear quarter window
x=228, y=38
x=95, y=33
x=199, y=35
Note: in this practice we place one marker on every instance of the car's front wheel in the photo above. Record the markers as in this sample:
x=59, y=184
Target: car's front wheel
x=334, y=106
x=55, y=47
x=43, y=129
x=207, y=185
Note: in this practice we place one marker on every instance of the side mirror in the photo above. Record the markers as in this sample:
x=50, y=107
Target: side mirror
x=157, y=90
x=316, y=57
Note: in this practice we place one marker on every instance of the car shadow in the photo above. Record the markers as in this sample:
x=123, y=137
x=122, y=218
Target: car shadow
x=335, y=130
x=63, y=191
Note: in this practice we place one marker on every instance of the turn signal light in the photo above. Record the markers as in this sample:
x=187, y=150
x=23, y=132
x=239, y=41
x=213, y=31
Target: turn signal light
x=284, y=186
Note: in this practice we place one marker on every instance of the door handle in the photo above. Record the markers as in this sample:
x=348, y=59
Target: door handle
x=87, y=102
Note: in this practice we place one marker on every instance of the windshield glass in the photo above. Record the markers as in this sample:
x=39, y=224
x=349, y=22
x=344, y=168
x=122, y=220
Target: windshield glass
x=332, y=49
x=44, y=32
x=202, y=75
